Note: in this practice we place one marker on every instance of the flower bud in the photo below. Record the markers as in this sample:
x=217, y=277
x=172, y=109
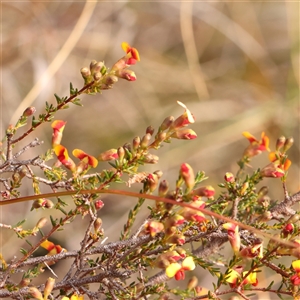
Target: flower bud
x=136, y=143
x=244, y=188
x=42, y=203
x=49, y=287
x=166, y=123
x=174, y=220
x=145, y=141
x=126, y=74
x=192, y=283
x=266, y=216
x=206, y=191
x=280, y=142
x=97, y=67
x=35, y=293
x=48, y=204
x=85, y=73
x=163, y=188
x=41, y=223
x=24, y=282
x=152, y=182
x=150, y=130
x=38, y=203
x=97, y=76
x=187, y=173
x=121, y=153
x=97, y=224
x=161, y=262
x=288, y=144
x=184, y=134
x=127, y=147
x=288, y=229
x=150, y=159
x=229, y=177
x=29, y=111
x=92, y=65
x=99, y=204
x=111, y=154
x=16, y=178
x=159, y=173
x=110, y=80
x=161, y=136
x=263, y=191
x=293, y=219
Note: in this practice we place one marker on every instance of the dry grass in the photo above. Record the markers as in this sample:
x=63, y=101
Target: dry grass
x=235, y=64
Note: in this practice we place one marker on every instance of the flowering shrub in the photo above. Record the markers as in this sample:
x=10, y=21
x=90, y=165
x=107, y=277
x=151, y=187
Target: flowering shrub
x=184, y=231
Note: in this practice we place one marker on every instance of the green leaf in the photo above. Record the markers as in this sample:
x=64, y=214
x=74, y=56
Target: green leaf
x=76, y=101
x=53, y=222
x=72, y=90
x=19, y=223
x=34, y=122
x=23, y=251
x=28, y=243
x=58, y=99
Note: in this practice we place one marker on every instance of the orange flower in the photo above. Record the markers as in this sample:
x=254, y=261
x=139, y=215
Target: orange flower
x=86, y=161
x=132, y=54
x=52, y=250
x=51, y=247
x=91, y=160
x=185, y=119
x=131, y=57
x=256, y=146
x=58, y=128
x=63, y=156
x=278, y=166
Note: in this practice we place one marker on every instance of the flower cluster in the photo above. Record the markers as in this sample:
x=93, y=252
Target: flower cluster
x=175, y=263
x=256, y=146
x=100, y=78
x=279, y=161
x=86, y=160
x=138, y=150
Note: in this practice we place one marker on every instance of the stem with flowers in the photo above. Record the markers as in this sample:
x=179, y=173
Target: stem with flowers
x=185, y=230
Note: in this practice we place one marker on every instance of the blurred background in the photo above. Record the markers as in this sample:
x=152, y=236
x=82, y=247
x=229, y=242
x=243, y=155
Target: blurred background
x=234, y=64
